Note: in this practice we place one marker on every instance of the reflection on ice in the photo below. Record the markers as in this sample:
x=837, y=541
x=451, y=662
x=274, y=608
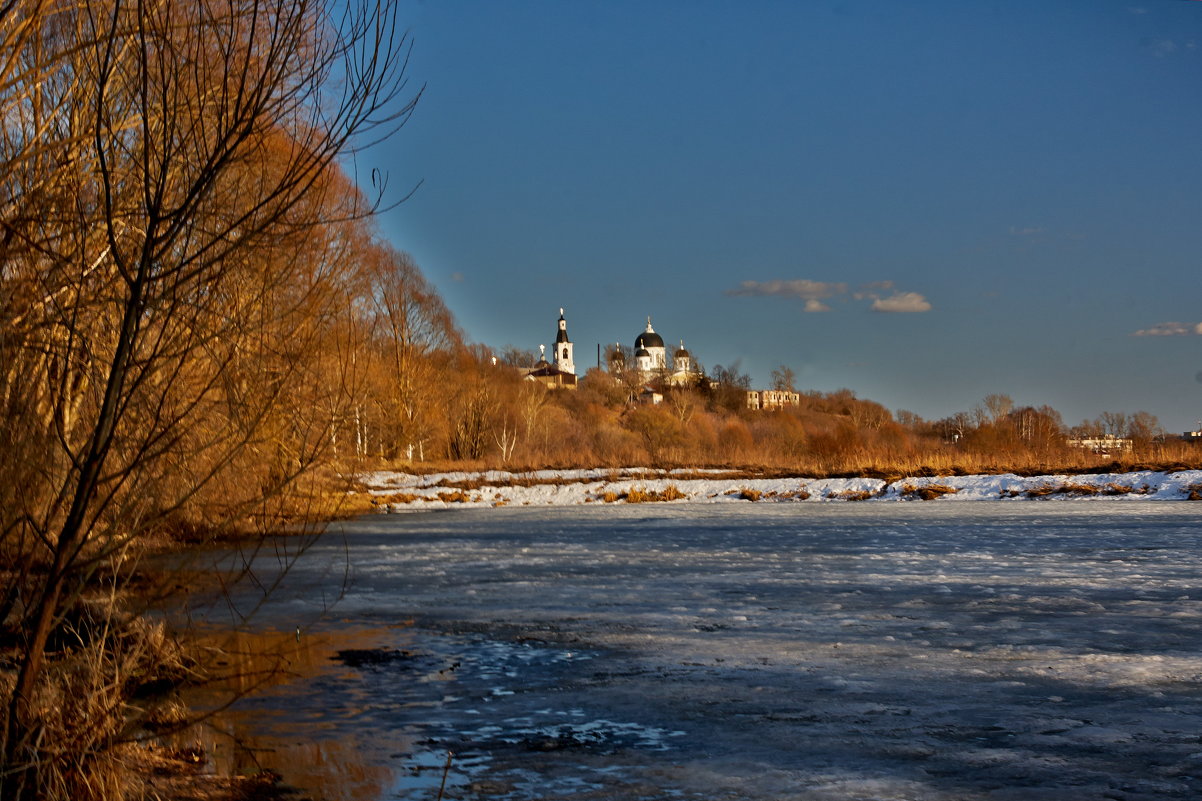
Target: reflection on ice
x=972, y=651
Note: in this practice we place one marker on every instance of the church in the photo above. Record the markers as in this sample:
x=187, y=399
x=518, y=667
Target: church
x=651, y=363
x=562, y=372
x=651, y=360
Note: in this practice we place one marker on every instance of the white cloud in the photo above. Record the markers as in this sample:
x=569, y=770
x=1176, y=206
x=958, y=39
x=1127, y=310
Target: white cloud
x=796, y=288
x=902, y=302
x=1137, y=9
x=1030, y=230
x=1161, y=47
x=1170, y=330
x=872, y=290
x=814, y=293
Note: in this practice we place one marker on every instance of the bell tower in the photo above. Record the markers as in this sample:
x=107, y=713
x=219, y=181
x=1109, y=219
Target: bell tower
x=563, y=348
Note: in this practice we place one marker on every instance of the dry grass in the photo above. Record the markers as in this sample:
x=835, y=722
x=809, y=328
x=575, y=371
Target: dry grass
x=395, y=497
x=455, y=496
x=851, y=495
x=644, y=495
x=927, y=492
x=1071, y=488
x=112, y=676
x=181, y=775
x=1081, y=490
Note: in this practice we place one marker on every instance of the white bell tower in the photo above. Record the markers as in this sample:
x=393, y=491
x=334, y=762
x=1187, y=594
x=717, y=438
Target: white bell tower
x=563, y=348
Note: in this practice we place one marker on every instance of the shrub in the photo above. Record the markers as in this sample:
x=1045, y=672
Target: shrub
x=397, y=497
x=1077, y=489
x=928, y=492
x=671, y=493
x=643, y=495
x=850, y=495
x=455, y=496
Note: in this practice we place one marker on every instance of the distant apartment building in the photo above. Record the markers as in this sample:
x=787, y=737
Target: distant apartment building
x=1102, y=445
x=762, y=399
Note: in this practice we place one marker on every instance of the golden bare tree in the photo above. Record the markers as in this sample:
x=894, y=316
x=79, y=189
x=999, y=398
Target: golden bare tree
x=413, y=332
x=165, y=171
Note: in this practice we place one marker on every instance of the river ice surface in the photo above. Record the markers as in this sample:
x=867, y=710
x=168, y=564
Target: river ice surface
x=1037, y=651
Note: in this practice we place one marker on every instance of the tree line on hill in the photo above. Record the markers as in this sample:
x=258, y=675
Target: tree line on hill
x=608, y=422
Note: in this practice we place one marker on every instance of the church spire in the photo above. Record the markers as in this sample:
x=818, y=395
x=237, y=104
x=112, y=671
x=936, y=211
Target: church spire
x=563, y=347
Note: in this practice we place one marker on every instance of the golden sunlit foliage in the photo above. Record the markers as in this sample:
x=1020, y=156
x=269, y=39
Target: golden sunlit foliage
x=186, y=281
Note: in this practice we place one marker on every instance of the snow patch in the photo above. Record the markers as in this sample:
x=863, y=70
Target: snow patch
x=397, y=490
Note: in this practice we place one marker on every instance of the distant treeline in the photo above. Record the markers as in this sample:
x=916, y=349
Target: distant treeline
x=496, y=418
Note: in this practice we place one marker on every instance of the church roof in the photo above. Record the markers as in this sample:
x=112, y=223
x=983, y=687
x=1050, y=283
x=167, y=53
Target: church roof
x=649, y=339
x=562, y=336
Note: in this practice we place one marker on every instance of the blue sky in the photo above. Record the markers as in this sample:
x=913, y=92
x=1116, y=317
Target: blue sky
x=925, y=202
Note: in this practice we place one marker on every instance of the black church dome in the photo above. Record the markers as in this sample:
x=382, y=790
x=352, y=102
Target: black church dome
x=649, y=339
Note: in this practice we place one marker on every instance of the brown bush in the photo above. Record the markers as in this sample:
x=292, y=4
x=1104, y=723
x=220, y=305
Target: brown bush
x=850, y=495
x=455, y=496
x=643, y=495
x=928, y=492
x=1077, y=489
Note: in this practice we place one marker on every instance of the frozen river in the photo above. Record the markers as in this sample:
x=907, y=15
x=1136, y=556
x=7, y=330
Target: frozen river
x=1034, y=651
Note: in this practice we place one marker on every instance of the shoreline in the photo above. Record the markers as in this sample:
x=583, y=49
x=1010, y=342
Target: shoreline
x=395, y=491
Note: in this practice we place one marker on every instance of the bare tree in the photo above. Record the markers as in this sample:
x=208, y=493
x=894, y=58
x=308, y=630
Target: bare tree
x=783, y=378
x=413, y=325
x=1143, y=427
x=163, y=168
x=684, y=403
x=472, y=419
x=998, y=406
x=506, y=436
x=513, y=356
x=1115, y=424
x=532, y=398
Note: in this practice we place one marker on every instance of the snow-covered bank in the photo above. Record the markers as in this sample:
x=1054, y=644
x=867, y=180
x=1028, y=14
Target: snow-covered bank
x=394, y=490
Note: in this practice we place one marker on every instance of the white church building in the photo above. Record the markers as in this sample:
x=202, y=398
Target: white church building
x=561, y=370
x=651, y=362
